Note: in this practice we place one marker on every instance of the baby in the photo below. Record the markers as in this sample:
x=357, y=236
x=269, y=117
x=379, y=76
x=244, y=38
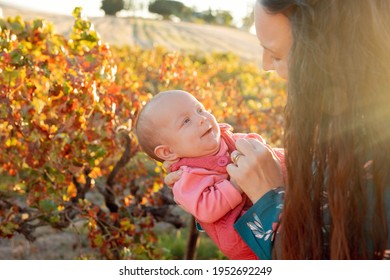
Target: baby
x=174, y=126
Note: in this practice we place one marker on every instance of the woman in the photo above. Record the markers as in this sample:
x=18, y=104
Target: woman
x=336, y=57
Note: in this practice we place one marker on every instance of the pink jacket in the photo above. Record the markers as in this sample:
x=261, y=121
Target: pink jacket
x=204, y=190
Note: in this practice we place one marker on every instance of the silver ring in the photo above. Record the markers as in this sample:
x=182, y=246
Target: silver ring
x=235, y=155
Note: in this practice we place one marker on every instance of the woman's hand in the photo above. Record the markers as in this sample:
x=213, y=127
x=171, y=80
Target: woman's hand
x=171, y=177
x=257, y=170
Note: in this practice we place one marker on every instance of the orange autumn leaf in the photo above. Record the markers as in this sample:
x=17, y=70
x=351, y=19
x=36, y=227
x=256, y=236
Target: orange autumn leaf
x=71, y=191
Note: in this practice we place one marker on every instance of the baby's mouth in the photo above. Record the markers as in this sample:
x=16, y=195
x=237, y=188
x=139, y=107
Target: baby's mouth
x=207, y=132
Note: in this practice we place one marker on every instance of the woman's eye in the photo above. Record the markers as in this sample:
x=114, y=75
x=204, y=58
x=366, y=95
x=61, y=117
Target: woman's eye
x=275, y=59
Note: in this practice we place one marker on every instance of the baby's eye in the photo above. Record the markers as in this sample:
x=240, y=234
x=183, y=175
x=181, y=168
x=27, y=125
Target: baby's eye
x=200, y=110
x=186, y=120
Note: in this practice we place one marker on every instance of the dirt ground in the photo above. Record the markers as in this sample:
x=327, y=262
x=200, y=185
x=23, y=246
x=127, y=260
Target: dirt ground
x=50, y=244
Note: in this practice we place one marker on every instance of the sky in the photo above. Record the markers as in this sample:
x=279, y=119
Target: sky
x=91, y=8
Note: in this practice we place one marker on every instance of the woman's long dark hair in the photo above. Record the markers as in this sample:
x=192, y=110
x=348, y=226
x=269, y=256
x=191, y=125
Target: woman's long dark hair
x=337, y=133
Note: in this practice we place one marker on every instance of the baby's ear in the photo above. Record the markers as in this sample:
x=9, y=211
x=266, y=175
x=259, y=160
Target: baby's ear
x=165, y=153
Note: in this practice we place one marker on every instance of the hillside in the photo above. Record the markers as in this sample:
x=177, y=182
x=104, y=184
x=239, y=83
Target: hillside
x=146, y=33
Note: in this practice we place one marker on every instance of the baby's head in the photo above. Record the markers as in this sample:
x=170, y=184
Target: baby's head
x=174, y=124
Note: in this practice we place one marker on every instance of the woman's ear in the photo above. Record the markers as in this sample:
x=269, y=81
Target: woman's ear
x=165, y=153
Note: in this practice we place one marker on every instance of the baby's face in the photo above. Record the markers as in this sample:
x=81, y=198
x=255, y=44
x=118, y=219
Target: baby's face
x=186, y=127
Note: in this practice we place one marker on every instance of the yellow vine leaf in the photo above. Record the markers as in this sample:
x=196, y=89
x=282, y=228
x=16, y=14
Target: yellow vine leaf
x=96, y=172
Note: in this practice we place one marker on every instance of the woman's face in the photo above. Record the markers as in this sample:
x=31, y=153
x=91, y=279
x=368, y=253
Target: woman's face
x=274, y=34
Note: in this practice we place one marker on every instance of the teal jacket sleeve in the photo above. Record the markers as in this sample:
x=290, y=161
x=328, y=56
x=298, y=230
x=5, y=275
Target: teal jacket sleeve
x=257, y=227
